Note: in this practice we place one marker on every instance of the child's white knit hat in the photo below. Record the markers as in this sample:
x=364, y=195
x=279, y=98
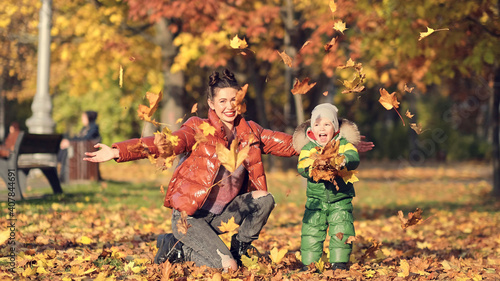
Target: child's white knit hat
x=328, y=111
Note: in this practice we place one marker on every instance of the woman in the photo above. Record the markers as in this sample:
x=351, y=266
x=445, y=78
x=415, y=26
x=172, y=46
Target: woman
x=241, y=194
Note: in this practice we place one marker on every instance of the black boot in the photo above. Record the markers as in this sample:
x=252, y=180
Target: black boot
x=239, y=249
x=168, y=249
x=339, y=265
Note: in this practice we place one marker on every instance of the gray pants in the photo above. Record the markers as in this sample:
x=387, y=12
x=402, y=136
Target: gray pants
x=202, y=244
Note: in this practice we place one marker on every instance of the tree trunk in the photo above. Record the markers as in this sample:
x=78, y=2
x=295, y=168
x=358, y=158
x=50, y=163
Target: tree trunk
x=173, y=90
x=496, y=133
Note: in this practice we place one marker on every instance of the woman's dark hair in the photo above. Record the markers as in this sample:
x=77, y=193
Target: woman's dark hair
x=216, y=82
x=91, y=115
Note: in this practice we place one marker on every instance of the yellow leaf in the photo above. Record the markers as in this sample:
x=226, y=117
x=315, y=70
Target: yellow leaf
x=178, y=120
x=340, y=26
x=230, y=158
x=333, y=6
x=320, y=265
x=237, y=43
x=207, y=129
x=252, y=263
x=85, y=240
x=121, y=76
x=228, y=226
x=388, y=100
x=41, y=270
x=408, y=114
x=408, y=89
x=29, y=271
x=405, y=267
x=4, y=236
x=277, y=255
x=194, y=108
x=429, y=32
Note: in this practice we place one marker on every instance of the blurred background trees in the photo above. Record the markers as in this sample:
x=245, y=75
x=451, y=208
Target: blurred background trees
x=173, y=46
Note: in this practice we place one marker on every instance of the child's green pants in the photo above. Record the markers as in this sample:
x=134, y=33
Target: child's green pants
x=317, y=217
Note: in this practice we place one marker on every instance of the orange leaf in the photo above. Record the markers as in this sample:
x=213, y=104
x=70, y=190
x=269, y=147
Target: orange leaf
x=228, y=226
x=194, y=108
x=145, y=112
x=330, y=44
x=162, y=190
x=340, y=235
x=333, y=6
x=182, y=224
x=239, y=103
x=388, y=100
x=286, y=58
x=300, y=88
x=350, y=239
x=325, y=93
x=413, y=218
x=417, y=128
x=407, y=89
x=230, y=158
x=305, y=44
x=409, y=115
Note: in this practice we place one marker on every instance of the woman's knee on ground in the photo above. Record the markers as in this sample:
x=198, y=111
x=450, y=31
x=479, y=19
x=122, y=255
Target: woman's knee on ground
x=227, y=261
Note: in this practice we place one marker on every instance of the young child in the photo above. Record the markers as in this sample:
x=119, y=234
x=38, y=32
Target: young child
x=328, y=203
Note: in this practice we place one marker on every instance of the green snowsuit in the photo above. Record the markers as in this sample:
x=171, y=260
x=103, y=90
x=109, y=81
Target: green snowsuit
x=327, y=207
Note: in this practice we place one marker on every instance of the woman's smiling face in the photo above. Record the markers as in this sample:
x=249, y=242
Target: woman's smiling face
x=223, y=105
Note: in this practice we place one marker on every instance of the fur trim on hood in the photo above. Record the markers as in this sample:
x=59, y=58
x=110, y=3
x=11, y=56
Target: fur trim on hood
x=348, y=130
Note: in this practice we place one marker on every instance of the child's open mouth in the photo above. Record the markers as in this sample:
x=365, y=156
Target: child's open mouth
x=323, y=138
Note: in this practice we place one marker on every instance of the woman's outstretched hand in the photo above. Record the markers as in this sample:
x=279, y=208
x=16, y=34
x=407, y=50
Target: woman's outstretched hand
x=364, y=146
x=103, y=154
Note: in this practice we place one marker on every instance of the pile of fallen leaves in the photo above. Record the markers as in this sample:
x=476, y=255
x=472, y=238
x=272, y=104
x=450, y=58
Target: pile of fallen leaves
x=99, y=236
x=327, y=162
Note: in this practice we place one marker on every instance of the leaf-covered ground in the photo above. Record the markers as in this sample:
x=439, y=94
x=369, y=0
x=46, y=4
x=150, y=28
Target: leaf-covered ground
x=107, y=231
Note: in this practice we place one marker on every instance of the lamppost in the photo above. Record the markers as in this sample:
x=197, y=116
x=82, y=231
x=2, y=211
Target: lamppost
x=41, y=121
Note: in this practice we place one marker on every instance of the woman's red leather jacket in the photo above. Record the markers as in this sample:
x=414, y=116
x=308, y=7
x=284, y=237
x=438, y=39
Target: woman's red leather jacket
x=193, y=178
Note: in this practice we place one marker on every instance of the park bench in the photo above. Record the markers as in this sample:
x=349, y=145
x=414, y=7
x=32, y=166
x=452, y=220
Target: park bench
x=31, y=151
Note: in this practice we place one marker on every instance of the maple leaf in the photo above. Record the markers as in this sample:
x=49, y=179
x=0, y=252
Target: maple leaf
x=300, y=88
x=325, y=93
x=407, y=89
x=252, y=263
x=207, y=129
x=405, y=267
x=138, y=147
x=353, y=86
x=231, y=158
x=389, y=101
x=370, y=252
x=413, y=218
x=145, y=112
x=409, y=115
x=286, y=58
x=349, y=63
x=429, y=32
x=182, y=224
x=179, y=120
x=340, y=235
x=229, y=226
x=239, y=103
x=350, y=239
x=417, y=128
x=330, y=44
x=194, y=108
x=277, y=255
x=237, y=43
x=327, y=162
x=340, y=26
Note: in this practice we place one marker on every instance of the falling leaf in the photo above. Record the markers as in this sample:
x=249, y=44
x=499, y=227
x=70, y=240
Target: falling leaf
x=408, y=89
x=300, y=88
x=239, y=102
x=179, y=120
x=429, y=32
x=330, y=44
x=325, y=93
x=370, y=252
x=333, y=6
x=417, y=128
x=277, y=255
x=131, y=58
x=350, y=63
x=121, y=77
x=413, y=218
x=286, y=58
x=182, y=224
x=145, y=112
x=229, y=226
x=237, y=43
x=350, y=239
x=340, y=26
x=304, y=45
x=409, y=115
x=207, y=129
x=194, y=108
x=162, y=190
x=389, y=101
x=231, y=158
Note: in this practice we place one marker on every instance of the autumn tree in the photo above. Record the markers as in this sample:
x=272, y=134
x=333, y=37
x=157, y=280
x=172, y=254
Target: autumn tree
x=436, y=43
